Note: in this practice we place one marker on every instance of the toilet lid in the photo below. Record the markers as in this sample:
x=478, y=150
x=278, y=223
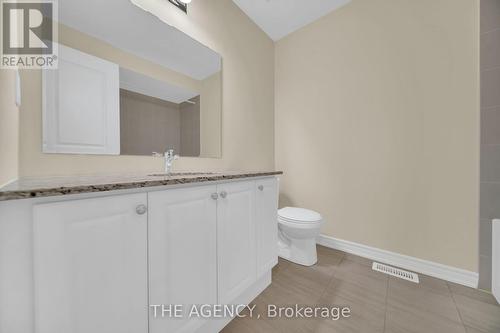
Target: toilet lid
x=299, y=214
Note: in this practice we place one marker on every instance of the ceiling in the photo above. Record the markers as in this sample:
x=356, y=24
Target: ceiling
x=279, y=18
x=140, y=33
x=148, y=86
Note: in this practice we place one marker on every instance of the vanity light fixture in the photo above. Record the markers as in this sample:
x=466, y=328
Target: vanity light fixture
x=181, y=4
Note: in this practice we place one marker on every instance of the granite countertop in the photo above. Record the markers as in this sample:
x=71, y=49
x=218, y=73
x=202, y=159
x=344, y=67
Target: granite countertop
x=56, y=186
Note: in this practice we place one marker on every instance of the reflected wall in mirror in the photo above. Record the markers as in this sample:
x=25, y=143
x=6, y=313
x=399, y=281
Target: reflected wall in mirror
x=129, y=89
x=154, y=112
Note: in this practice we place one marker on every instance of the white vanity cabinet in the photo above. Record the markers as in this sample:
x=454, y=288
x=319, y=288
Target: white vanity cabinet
x=100, y=261
x=266, y=201
x=90, y=265
x=236, y=239
x=205, y=244
x=182, y=253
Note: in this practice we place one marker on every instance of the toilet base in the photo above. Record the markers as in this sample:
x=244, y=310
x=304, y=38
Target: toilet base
x=299, y=251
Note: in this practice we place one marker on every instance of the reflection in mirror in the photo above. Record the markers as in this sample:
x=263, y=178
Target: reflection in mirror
x=130, y=85
x=153, y=112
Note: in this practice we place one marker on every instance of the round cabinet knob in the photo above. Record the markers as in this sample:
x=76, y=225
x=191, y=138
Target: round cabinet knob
x=223, y=194
x=215, y=196
x=261, y=187
x=141, y=209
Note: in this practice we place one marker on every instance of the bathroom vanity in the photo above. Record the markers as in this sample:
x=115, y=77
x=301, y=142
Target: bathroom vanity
x=92, y=255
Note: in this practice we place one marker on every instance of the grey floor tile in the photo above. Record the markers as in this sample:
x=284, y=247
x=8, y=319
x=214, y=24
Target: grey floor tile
x=478, y=315
x=475, y=294
x=426, y=282
x=430, y=300
x=326, y=255
x=359, y=274
x=378, y=303
x=281, y=266
x=366, y=316
x=288, y=290
x=317, y=276
x=358, y=259
x=372, y=295
x=412, y=320
x=472, y=330
x=367, y=306
x=284, y=325
x=247, y=325
x=297, y=284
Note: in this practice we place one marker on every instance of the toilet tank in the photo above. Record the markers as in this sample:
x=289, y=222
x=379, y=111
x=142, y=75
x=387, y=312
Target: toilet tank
x=496, y=260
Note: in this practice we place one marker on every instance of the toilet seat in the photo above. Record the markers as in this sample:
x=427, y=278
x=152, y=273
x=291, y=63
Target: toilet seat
x=299, y=215
x=299, y=224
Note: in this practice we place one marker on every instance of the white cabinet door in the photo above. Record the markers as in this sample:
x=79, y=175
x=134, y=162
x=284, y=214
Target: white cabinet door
x=90, y=266
x=266, y=220
x=182, y=254
x=236, y=239
x=81, y=105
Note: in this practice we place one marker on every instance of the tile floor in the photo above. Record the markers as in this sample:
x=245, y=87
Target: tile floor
x=378, y=303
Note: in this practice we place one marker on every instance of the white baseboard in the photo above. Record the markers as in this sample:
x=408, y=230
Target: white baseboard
x=448, y=273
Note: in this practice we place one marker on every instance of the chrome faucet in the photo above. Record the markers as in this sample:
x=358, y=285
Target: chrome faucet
x=169, y=159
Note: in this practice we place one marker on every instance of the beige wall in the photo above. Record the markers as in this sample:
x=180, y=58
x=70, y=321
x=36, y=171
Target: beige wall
x=190, y=128
x=9, y=127
x=210, y=117
x=377, y=125
x=247, y=104
x=148, y=125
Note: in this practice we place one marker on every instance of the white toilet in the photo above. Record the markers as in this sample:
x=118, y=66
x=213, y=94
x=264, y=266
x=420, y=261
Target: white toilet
x=298, y=229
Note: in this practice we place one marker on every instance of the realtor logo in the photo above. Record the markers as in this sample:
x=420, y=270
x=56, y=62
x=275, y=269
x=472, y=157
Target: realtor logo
x=29, y=34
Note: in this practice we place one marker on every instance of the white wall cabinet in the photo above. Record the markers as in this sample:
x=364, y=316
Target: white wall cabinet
x=90, y=265
x=182, y=253
x=81, y=105
x=212, y=244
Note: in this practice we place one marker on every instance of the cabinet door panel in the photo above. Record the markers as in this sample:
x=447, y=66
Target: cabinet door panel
x=81, y=106
x=182, y=249
x=90, y=268
x=266, y=219
x=236, y=239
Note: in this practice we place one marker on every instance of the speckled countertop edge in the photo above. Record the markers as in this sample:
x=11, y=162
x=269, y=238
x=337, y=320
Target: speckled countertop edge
x=59, y=186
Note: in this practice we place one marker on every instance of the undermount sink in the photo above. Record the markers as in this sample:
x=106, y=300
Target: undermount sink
x=178, y=174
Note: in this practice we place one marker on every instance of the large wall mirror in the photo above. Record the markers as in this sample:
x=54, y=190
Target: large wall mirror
x=129, y=84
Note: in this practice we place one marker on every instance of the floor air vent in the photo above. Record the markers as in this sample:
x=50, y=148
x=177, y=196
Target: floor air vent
x=399, y=273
